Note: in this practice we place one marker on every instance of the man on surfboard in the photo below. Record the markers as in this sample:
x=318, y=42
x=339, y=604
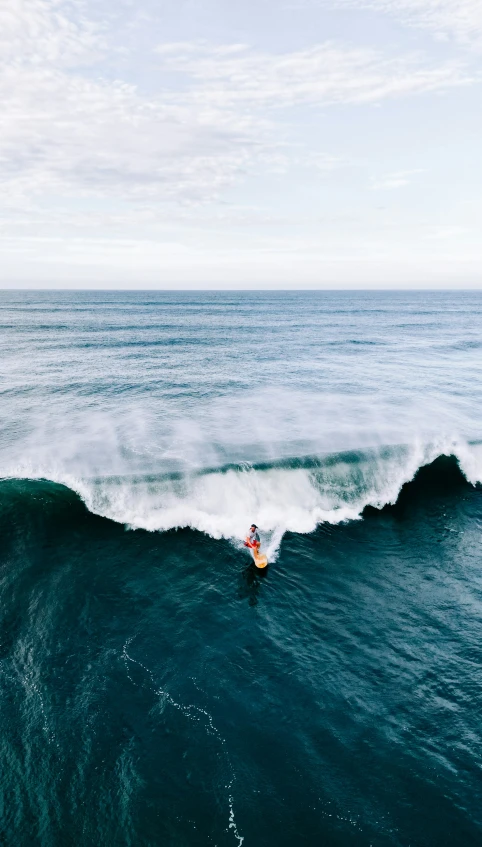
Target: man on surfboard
x=253, y=539
x=253, y=542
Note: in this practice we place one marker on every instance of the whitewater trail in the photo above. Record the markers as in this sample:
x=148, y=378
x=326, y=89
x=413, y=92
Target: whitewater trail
x=196, y=714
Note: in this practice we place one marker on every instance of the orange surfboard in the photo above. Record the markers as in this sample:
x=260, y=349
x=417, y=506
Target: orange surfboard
x=260, y=561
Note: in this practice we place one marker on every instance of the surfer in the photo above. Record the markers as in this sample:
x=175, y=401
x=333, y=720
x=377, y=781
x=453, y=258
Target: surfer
x=252, y=539
x=253, y=542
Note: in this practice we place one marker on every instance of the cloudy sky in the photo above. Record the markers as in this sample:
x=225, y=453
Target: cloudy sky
x=262, y=143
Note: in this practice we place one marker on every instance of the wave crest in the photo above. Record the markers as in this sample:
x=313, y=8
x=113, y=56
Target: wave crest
x=294, y=495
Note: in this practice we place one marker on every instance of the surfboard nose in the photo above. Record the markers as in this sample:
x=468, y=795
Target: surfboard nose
x=261, y=561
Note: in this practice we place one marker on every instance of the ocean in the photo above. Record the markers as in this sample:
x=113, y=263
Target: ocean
x=156, y=689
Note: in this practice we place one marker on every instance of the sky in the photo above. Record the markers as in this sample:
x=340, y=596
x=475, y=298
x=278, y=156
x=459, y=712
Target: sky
x=254, y=144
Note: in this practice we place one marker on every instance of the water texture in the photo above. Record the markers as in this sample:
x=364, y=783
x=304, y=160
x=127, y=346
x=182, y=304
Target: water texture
x=154, y=688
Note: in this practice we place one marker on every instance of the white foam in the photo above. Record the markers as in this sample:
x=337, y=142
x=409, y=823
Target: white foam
x=470, y=461
x=117, y=455
x=279, y=499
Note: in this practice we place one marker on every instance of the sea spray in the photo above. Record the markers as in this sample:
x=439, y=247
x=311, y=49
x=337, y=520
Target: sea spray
x=293, y=495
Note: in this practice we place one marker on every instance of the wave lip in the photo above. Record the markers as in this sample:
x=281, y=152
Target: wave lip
x=294, y=495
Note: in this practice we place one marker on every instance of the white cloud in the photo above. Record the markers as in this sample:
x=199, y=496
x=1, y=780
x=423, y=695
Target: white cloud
x=67, y=131
x=322, y=75
x=47, y=32
x=102, y=147
x=110, y=159
x=398, y=179
x=446, y=233
x=63, y=133
x=457, y=19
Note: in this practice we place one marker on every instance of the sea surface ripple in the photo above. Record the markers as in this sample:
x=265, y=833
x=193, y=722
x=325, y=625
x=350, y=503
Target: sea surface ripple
x=154, y=688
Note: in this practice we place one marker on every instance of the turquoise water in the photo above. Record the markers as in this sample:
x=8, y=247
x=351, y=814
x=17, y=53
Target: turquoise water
x=155, y=688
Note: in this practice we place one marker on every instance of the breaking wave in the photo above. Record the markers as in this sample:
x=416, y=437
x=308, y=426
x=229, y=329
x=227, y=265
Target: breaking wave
x=292, y=495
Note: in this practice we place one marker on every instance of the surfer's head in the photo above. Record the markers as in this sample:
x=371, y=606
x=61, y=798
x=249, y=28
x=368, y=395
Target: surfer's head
x=253, y=526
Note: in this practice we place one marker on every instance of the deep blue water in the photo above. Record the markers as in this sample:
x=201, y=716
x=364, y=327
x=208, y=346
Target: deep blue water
x=155, y=689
